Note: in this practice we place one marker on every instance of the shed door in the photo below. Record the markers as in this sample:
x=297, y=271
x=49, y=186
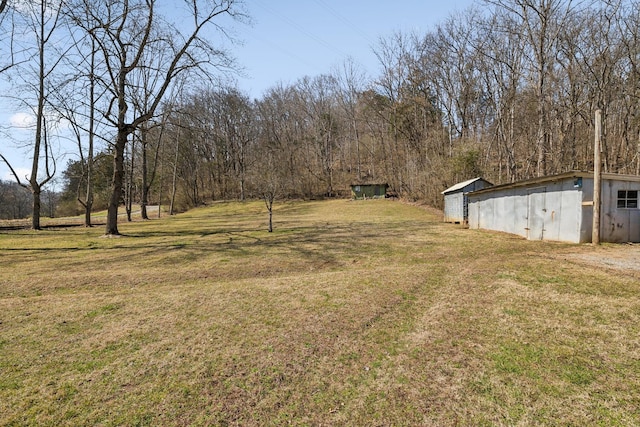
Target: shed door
x=536, y=211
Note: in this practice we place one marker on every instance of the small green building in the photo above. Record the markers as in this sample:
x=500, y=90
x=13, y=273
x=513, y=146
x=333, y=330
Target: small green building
x=368, y=191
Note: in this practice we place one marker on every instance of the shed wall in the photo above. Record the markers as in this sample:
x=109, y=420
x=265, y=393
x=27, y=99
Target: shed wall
x=456, y=202
x=548, y=211
x=454, y=207
x=618, y=224
x=557, y=210
x=587, y=211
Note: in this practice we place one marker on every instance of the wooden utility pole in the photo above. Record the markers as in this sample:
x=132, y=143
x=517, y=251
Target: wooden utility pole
x=597, y=179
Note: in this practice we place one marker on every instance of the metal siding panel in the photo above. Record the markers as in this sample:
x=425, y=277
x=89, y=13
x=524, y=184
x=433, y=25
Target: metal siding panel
x=506, y=208
x=558, y=211
x=553, y=212
x=459, y=207
x=447, y=208
x=486, y=214
x=607, y=217
x=491, y=215
x=501, y=219
x=614, y=227
x=536, y=204
x=586, y=218
x=634, y=226
x=561, y=211
x=570, y=215
x=473, y=212
x=495, y=216
x=618, y=224
x=520, y=214
x=453, y=209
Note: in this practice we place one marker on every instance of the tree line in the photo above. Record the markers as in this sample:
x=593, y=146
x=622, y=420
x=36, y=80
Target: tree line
x=99, y=71
x=506, y=89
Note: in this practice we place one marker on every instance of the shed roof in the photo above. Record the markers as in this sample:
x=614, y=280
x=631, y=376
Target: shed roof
x=371, y=184
x=558, y=177
x=460, y=185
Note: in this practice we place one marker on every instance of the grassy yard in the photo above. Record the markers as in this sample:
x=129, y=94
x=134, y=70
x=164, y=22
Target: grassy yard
x=350, y=313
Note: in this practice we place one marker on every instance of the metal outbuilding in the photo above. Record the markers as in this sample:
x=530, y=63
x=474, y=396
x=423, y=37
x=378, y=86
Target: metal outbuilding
x=455, y=199
x=560, y=208
x=369, y=191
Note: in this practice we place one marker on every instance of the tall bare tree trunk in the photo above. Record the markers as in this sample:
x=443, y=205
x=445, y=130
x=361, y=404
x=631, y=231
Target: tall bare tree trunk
x=33, y=180
x=144, y=200
x=116, y=182
x=88, y=203
x=41, y=141
x=175, y=173
x=123, y=132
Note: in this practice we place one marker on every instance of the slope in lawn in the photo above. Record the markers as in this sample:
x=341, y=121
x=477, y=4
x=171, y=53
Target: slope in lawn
x=350, y=313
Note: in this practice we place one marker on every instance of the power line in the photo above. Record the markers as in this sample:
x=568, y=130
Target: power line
x=345, y=20
x=281, y=49
x=302, y=30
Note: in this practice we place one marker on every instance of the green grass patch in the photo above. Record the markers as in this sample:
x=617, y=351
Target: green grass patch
x=349, y=313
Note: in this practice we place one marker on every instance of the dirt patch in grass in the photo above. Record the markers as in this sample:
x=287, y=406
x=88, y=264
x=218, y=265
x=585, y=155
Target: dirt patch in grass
x=615, y=257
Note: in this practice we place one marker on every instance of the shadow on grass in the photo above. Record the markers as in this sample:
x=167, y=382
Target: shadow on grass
x=189, y=239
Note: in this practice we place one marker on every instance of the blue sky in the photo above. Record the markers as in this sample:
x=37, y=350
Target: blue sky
x=290, y=39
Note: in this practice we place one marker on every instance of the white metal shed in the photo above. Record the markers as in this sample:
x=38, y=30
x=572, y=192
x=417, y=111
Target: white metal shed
x=455, y=199
x=560, y=208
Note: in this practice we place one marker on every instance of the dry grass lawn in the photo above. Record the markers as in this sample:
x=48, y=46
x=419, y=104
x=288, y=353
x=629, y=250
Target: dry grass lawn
x=350, y=313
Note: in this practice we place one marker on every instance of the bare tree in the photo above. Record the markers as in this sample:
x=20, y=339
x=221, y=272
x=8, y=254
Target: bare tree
x=42, y=22
x=269, y=178
x=231, y=115
x=597, y=53
x=7, y=27
x=500, y=62
x=317, y=98
x=282, y=123
x=127, y=32
x=143, y=90
x=393, y=57
x=15, y=201
x=270, y=185
x=350, y=79
x=542, y=22
x=75, y=100
x=452, y=49
x=630, y=40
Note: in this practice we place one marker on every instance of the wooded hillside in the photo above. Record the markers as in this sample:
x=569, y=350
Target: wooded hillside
x=506, y=90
